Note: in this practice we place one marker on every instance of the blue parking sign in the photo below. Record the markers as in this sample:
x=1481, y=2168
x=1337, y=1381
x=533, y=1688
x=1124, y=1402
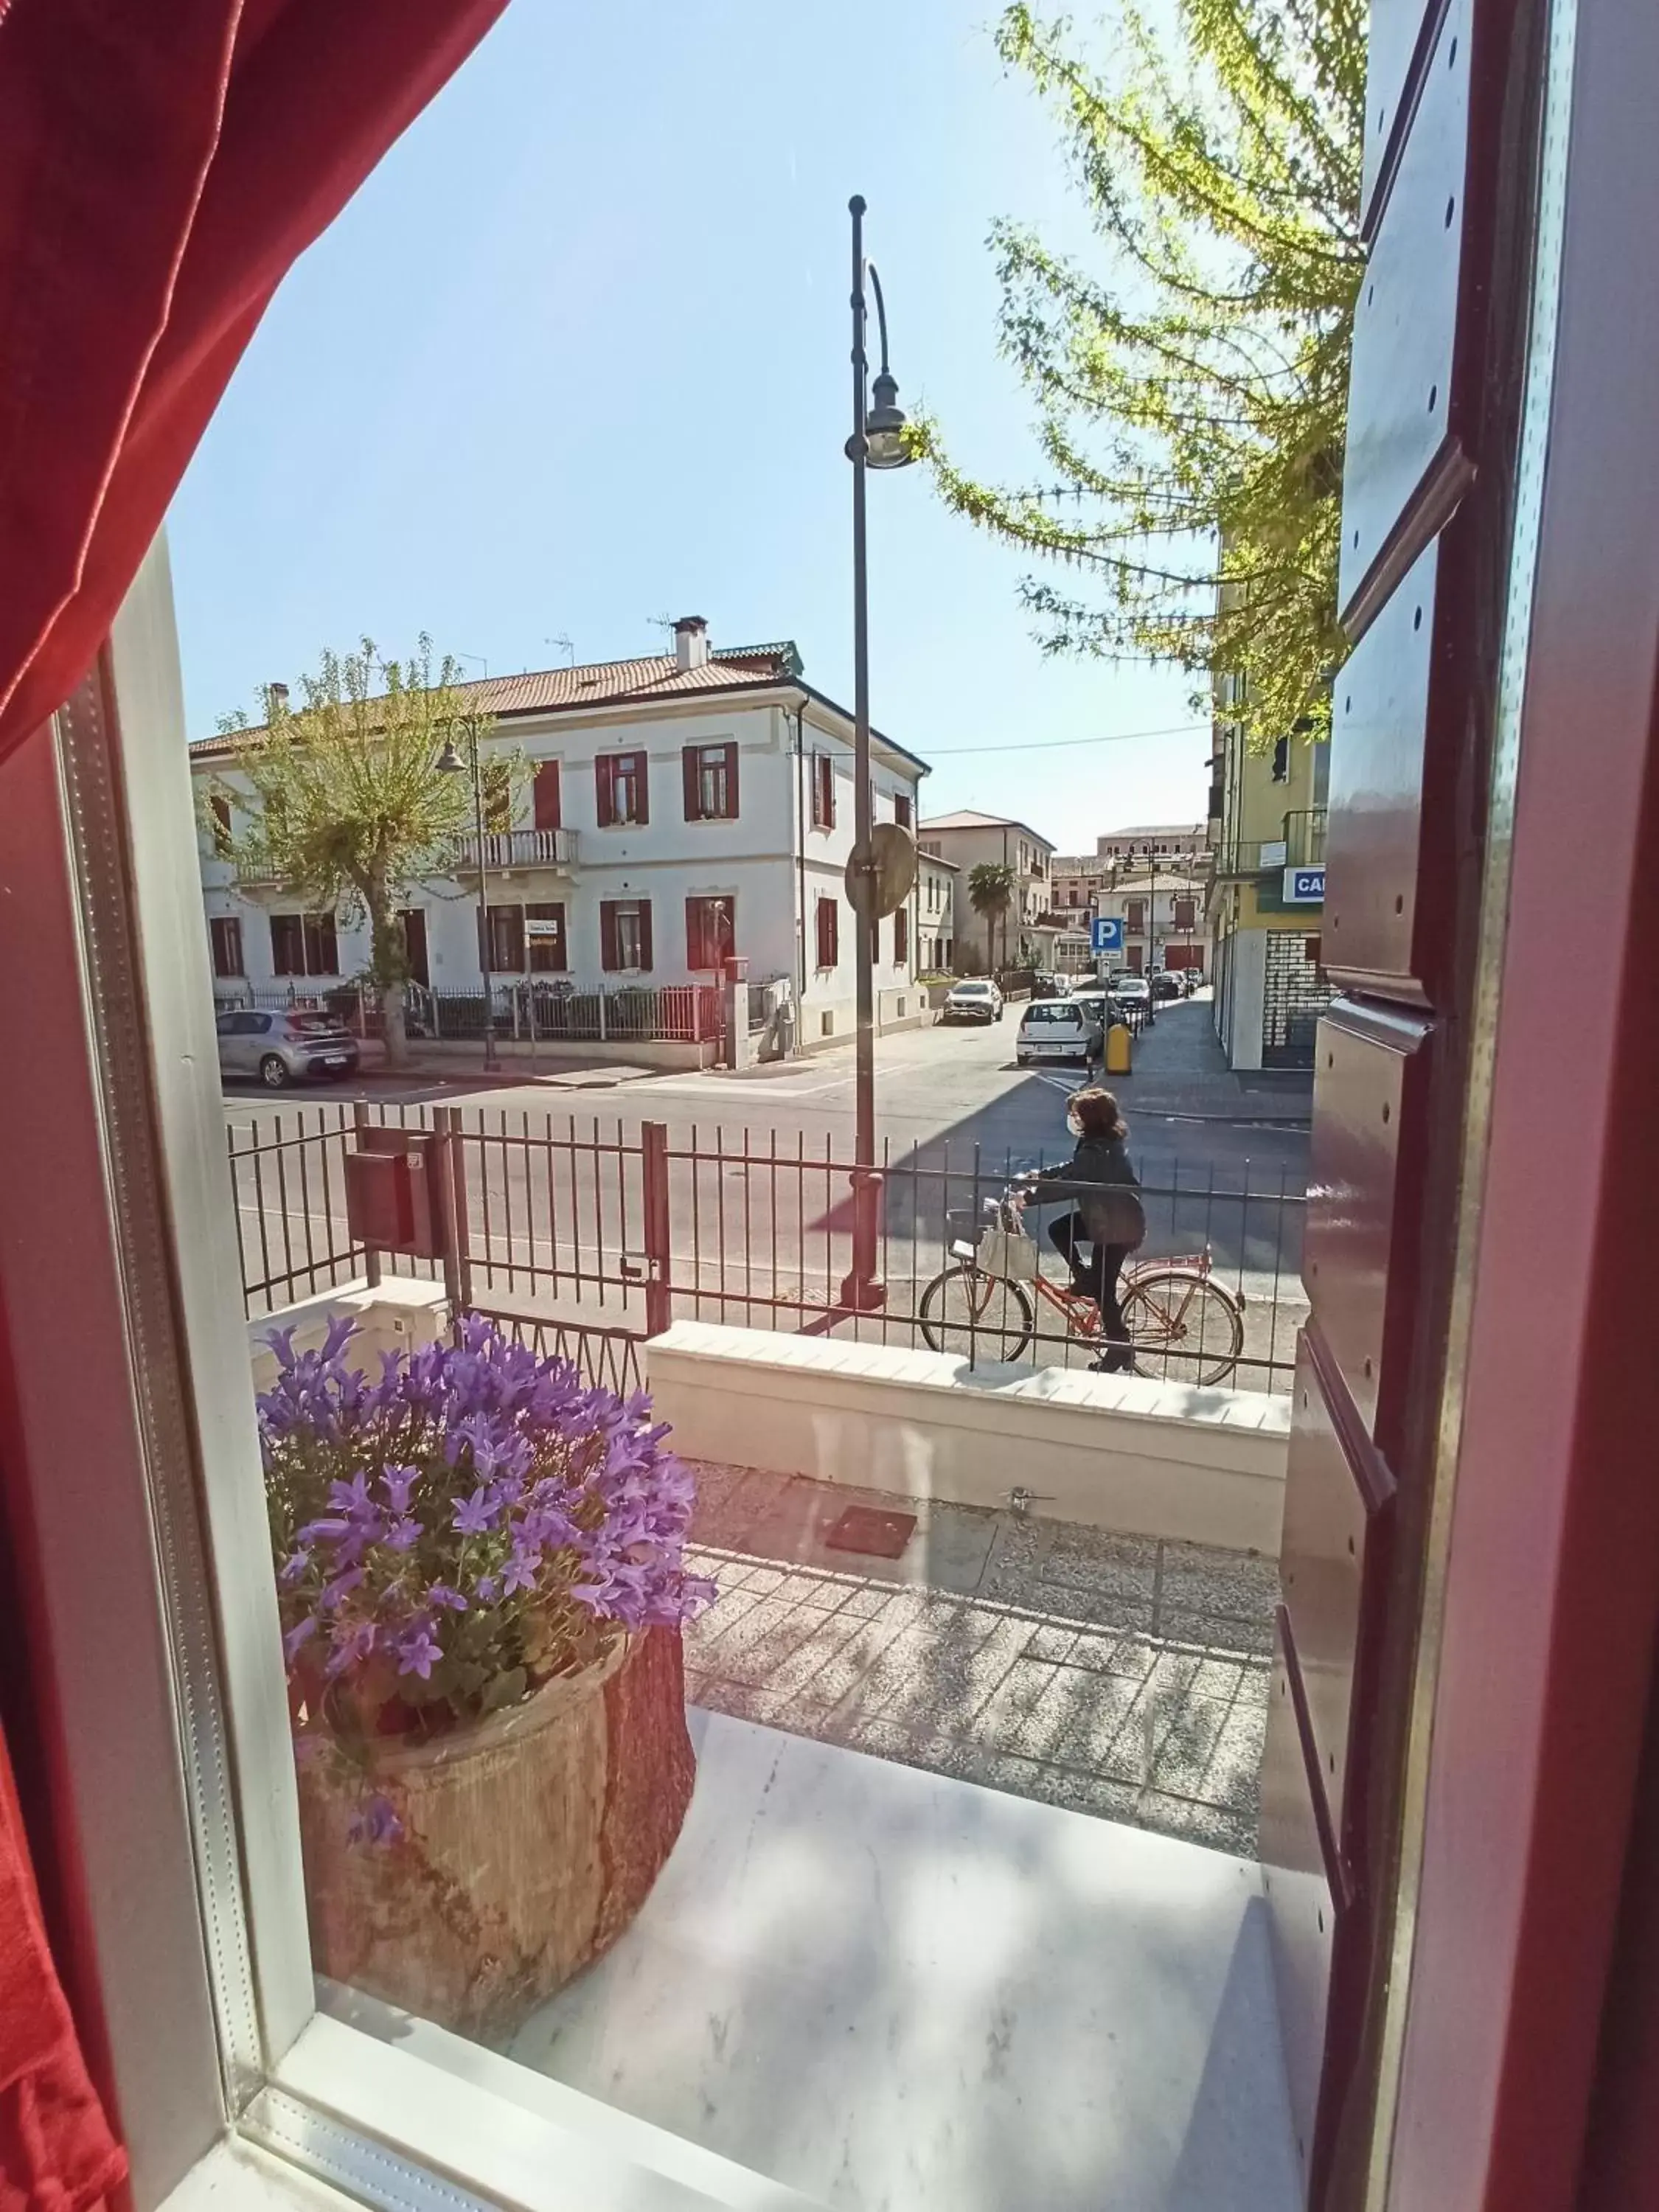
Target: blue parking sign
x=1106, y=934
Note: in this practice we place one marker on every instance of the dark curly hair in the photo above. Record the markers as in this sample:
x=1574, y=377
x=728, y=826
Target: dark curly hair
x=1097, y=1111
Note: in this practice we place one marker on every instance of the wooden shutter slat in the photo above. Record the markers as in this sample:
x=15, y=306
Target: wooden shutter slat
x=645, y=935
x=642, y=786
x=605, y=790
x=546, y=797
x=692, y=780
x=608, y=959
x=732, y=783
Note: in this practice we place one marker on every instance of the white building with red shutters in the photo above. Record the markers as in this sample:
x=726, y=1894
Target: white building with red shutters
x=679, y=808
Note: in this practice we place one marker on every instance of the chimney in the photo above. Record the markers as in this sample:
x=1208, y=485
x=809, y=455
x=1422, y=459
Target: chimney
x=275, y=694
x=690, y=641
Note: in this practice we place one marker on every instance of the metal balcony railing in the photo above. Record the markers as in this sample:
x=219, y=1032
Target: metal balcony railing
x=1300, y=844
x=517, y=848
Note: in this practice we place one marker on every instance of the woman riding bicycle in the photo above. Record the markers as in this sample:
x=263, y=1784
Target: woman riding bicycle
x=1108, y=1216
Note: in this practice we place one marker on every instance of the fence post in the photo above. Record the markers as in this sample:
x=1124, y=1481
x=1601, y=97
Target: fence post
x=659, y=1229
x=601, y=998
x=458, y=1258
x=371, y=1257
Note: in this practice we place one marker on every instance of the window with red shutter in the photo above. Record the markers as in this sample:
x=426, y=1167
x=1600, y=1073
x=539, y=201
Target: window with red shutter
x=545, y=796
x=828, y=926
x=902, y=809
x=709, y=774
x=1183, y=914
x=225, y=932
x=901, y=937
x=624, y=935
x=507, y=940
x=605, y=800
x=711, y=932
x=220, y=808
x=544, y=938
x=824, y=790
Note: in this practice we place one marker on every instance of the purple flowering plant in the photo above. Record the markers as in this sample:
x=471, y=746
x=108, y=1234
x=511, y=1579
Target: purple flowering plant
x=450, y=1536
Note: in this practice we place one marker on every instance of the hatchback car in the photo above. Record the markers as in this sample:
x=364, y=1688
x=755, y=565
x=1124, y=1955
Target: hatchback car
x=1132, y=991
x=977, y=999
x=284, y=1048
x=1057, y=1028
x=1166, y=984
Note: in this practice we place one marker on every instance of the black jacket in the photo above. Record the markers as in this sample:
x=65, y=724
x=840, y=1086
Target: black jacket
x=1100, y=1182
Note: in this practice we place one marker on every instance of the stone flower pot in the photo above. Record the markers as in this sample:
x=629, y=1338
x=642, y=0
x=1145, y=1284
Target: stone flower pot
x=513, y=1851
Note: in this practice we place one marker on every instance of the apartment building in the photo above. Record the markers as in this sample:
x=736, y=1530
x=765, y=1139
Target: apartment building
x=967, y=838
x=683, y=808
x=1155, y=840
x=1267, y=896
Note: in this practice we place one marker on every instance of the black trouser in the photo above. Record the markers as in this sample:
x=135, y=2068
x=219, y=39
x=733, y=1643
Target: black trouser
x=1096, y=1276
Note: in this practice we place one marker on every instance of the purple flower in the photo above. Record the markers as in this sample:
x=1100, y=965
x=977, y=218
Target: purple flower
x=376, y=1822
x=474, y=1516
x=326, y=1530
x=399, y=1481
x=487, y=1589
x=351, y=1498
x=294, y=1566
x=419, y=1651
x=353, y=1645
x=340, y=1588
x=520, y=1571
x=440, y=1594
x=300, y=1633
x=403, y=1535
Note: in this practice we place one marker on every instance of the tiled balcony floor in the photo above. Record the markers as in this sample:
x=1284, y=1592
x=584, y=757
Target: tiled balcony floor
x=1107, y=1674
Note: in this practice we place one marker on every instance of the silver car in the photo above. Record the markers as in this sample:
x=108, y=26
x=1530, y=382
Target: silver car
x=284, y=1048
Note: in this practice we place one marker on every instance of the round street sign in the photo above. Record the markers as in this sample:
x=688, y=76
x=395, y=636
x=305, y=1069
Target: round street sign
x=883, y=884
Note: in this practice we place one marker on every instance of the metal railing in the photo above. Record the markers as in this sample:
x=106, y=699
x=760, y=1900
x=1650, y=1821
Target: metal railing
x=594, y=1226
x=535, y=1008
x=1300, y=844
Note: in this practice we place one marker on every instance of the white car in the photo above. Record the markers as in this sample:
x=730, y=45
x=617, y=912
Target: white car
x=1057, y=1028
x=1132, y=991
x=977, y=999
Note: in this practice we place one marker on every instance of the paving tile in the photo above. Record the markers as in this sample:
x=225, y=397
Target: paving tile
x=1255, y=1684
x=1053, y=1644
x=1094, y=1560
x=1182, y=1763
x=1105, y=1652
x=753, y=1647
x=1217, y=1678
x=1101, y=1708
x=1214, y=1634
x=1232, y=1584
x=1233, y=1775
x=814, y=1591
x=1090, y=1608
x=1010, y=1719
x=865, y=1604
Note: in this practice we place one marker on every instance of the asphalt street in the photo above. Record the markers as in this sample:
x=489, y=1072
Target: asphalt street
x=758, y=1200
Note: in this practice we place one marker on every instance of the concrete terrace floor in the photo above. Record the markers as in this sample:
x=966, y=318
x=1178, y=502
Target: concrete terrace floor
x=1107, y=1675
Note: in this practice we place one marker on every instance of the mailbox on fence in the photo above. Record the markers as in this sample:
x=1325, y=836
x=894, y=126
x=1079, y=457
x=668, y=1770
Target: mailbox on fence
x=397, y=1192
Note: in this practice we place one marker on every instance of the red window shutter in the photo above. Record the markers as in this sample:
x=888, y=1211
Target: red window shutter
x=605, y=790
x=732, y=783
x=642, y=787
x=691, y=783
x=902, y=809
x=829, y=932
x=829, y=791
x=696, y=952
x=644, y=934
x=546, y=796
x=608, y=959
x=901, y=937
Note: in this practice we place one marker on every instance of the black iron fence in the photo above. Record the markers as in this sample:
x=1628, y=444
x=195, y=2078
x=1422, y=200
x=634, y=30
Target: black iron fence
x=593, y=1226
x=534, y=1009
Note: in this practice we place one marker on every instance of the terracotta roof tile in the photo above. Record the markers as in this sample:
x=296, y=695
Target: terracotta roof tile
x=599, y=684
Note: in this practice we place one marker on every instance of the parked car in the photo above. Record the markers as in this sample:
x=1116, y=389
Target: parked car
x=975, y=999
x=1058, y=1029
x=1192, y=979
x=1096, y=1004
x=1132, y=991
x=1166, y=984
x=284, y=1048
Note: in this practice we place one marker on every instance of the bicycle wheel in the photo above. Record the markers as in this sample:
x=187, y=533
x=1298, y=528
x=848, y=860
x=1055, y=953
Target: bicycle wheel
x=975, y=1315
x=1186, y=1329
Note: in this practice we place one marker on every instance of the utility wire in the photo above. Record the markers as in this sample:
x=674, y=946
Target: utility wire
x=1056, y=745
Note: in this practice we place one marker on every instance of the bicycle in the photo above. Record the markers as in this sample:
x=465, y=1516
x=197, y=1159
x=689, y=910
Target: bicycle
x=1183, y=1325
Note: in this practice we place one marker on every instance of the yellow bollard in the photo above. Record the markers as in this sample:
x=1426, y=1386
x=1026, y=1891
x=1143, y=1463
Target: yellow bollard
x=1120, y=1051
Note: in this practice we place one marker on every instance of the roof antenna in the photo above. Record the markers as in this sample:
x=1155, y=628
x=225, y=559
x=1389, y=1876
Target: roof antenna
x=561, y=643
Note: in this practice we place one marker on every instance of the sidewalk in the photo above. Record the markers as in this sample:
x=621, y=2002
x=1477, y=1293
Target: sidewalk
x=1180, y=1068
x=465, y=1071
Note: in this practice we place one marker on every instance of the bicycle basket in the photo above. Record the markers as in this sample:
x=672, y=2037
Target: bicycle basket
x=1008, y=1252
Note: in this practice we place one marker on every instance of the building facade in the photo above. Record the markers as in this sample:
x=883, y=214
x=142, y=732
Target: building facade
x=1158, y=840
x=1165, y=919
x=680, y=810
x=969, y=839
x=1267, y=897
x=934, y=903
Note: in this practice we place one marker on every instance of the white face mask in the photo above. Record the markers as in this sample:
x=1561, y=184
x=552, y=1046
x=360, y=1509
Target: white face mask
x=1074, y=1125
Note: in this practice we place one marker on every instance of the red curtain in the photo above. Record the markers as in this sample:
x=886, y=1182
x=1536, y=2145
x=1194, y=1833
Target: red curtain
x=160, y=166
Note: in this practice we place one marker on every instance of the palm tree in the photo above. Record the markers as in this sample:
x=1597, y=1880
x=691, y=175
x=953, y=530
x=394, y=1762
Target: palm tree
x=990, y=894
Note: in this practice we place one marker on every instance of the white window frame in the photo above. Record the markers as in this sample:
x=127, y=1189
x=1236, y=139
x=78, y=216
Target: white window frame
x=159, y=1638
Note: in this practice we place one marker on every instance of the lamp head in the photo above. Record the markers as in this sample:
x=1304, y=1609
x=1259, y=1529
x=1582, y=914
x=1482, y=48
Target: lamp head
x=449, y=761
x=885, y=426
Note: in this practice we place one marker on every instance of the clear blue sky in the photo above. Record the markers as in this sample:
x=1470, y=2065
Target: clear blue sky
x=576, y=358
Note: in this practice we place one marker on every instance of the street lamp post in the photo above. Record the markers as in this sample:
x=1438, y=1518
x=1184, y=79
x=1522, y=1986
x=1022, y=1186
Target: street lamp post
x=451, y=764
x=878, y=442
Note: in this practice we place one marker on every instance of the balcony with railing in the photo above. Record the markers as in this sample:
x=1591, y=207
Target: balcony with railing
x=516, y=848
x=1300, y=844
